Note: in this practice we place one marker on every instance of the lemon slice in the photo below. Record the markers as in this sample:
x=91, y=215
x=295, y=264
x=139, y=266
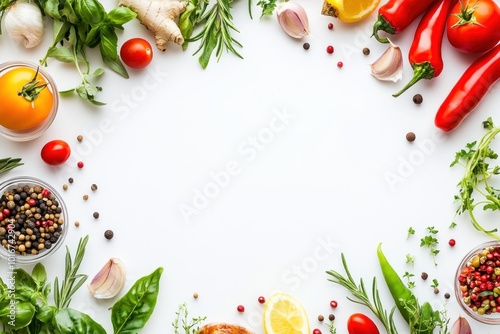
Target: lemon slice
x=283, y=314
x=349, y=10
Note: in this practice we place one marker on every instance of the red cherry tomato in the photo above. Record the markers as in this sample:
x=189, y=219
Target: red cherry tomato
x=473, y=26
x=360, y=324
x=136, y=53
x=55, y=152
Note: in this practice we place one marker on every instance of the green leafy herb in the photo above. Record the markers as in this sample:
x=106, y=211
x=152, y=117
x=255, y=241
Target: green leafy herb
x=360, y=296
x=331, y=327
x=411, y=232
x=268, y=6
x=410, y=259
x=183, y=324
x=430, y=241
x=435, y=283
x=477, y=159
x=7, y=164
x=409, y=282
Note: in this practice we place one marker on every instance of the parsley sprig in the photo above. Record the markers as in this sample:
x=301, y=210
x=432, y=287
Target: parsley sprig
x=477, y=158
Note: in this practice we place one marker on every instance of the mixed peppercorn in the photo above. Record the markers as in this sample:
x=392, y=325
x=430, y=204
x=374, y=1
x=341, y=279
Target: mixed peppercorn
x=480, y=281
x=31, y=219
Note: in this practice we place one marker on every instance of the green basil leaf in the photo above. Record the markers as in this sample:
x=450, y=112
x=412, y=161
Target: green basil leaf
x=120, y=15
x=60, y=30
x=91, y=11
x=109, y=52
x=17, y=315
x=62, y=54
x=69, y=12
x=25, y=285
x=186, y=25
x=131, y=312
x=93, y=37
x=70, y=321
x=51, y=8
x=39, y=275
x=45, y=312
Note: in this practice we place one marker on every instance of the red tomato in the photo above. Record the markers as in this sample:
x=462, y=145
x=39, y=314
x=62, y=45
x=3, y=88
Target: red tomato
x=360, y=324
x=474, y=25
x=55, y=152
x=136, y=53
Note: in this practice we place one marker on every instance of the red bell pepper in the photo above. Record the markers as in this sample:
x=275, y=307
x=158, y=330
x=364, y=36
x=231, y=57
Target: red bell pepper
x=469, y=90
x=395, y=15
x=425, y=51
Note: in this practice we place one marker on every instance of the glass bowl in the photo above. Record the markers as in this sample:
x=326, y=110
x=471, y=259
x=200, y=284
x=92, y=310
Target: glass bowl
x=477, y=283
x=33, y=220
x=38, y=129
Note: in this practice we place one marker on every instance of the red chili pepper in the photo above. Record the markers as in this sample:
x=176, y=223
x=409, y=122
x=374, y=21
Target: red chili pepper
x=469, y=90
x=425, y=50
x=395, y=15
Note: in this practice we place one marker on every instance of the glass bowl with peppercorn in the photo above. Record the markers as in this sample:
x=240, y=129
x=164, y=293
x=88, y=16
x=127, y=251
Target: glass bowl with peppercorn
x=30, y=100
x=33, y=220
x=477, y=283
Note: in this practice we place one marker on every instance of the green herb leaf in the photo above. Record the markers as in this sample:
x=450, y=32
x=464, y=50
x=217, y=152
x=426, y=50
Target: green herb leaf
x=131, y=312
x=7, y=164
x=70, y=321
x=120, y=15
x=91, y=12
x=24, y=311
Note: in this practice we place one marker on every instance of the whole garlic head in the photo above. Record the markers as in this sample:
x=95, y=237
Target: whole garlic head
x=23, y=21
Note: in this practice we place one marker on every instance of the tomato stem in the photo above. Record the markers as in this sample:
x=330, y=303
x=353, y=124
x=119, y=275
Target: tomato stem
x=32, y=89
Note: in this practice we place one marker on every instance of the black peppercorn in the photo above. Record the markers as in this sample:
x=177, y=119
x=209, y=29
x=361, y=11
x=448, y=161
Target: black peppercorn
x=424, y=276
x=418, y=99
x=321, y=318
x=306, y=46
x=410, y=136
x=366, y=51
x=96, y=215
x=108, y=234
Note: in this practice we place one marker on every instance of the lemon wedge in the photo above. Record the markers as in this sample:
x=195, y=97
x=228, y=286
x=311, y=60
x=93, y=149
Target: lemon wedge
x=349, y=10
x=283, y=314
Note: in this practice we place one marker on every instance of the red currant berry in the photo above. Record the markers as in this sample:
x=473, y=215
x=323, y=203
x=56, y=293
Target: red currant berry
x=329, y=49
x=340, y=64
x=80, y=164
x=334, y=304
x=330, y=26
x=316, y=331
x=262, y=300
x=241, y=308
x=452, y=242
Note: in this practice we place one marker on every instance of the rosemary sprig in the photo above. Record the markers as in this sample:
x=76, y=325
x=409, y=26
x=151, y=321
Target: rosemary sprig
x=7, y=164
x=360, y=296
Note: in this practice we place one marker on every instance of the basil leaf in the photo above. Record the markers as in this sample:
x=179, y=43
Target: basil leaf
x=70, y=321
x=39, y=276
x=109, y=52
x=69, y=12
x=17, y=315
x=62, y=54
x=60, y=30
x=91, y=11
x=25, y=286
x=93, y=37
x=45, y=313
x=51, y=8
x=131, y=312
x=120, y=15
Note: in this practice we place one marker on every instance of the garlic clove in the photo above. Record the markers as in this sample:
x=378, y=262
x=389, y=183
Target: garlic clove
x=389, y=67
x=461, y=326
x=109, y=281
x=23, y=21
x=293, y=19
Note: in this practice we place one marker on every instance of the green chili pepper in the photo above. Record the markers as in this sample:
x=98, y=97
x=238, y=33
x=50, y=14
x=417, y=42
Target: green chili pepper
x=405, y=300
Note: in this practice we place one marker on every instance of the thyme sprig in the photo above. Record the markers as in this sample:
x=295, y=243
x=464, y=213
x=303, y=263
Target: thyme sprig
x=476, y=159
x=183, y=324
x=7, y=164
x=360, y=296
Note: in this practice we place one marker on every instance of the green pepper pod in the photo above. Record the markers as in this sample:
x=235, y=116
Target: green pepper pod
x=406, y=302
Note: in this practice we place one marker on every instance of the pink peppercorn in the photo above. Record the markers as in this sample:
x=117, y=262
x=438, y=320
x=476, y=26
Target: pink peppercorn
x=329, y=49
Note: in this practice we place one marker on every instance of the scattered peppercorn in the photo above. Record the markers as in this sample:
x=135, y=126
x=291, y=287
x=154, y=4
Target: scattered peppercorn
x=195, y=295
x=452, y=242
x=447, y=295
x=306, y=46
x=85, y=197
x=95, y=215
x=70, y=180
x=108, y=234
x=330, y=26
x=333, y=304
x=241, y=308
x=366, y=51
x=79, y=138
x=331, y=317
x=77, y=223
x=329, y=49
x=436, y=291
x=261, y=300
x=410, y=136
x=316, y=331
x=424, y=276
x=65, y=187
x=418, y=99
x=340, y=64
x=80, y=164
x=321, y=318
x=93, y=187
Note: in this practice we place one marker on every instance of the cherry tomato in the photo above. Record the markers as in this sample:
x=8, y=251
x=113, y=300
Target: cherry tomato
x=136, y=53
x=16, y=112
x=473, y=26
x=55, y=152
x=360, y=324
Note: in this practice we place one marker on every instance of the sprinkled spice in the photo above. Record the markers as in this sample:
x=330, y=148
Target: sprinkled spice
x=334, y=304
x=77, y=223
x=80, y=164
x=410, y=136
x=95, y=215
x=330, y=26
x=108, y=234
x=65, y=187
x=241, y=308
x=79, y=138
x=424, y=276
x=418, y=99
x=366, y=51
x=31, y=219
x=70, y=180
x=195, y=295
x=340, y=64
x=316, y=331
x=331, y=317
x=321, y=318
x=93, y=187
x=436, y=291
x=447, y=295
x=85, y=197
x=261, y=300
x=452, y=242
x=306, y=46
x=329, y=49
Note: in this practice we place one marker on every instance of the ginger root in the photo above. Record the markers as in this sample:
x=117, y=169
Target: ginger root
x=160, y=17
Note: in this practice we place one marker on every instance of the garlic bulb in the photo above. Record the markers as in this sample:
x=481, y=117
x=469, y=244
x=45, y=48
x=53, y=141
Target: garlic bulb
x=109, y=281
x=293, y=19
x=24, y=21
x=389, y=67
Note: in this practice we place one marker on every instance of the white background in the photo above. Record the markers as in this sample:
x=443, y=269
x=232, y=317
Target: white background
x=314, y=187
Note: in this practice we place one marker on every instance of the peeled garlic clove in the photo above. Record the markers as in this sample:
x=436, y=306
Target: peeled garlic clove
x=109, y=281
x=24, y=21
x=461, y=326
x=389, y=67
x=293, y=19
